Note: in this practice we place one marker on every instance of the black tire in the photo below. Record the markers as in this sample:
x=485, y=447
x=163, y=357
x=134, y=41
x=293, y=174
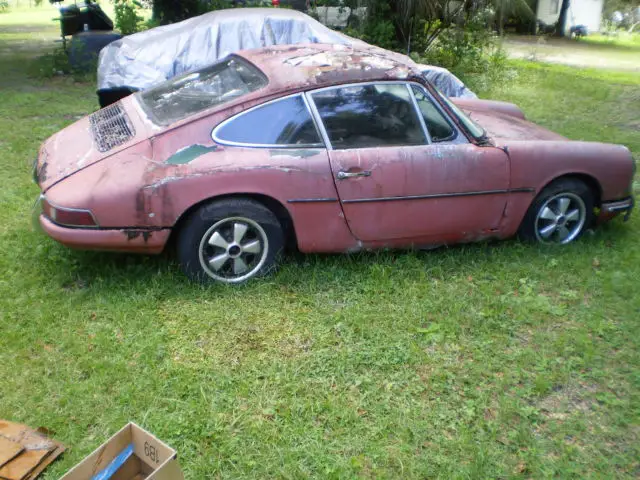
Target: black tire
x=534, y=224
x=201, y=252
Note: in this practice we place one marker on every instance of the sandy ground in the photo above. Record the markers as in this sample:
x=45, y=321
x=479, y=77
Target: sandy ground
x=572, y=52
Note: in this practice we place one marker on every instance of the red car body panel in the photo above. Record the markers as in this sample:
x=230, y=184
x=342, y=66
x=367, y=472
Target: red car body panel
x=433, y=194
x=423, y=176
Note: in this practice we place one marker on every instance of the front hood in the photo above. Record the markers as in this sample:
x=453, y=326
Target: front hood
x=89, y=140
x=502, y=127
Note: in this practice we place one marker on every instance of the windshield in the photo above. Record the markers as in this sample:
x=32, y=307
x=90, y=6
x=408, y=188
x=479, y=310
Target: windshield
x=196, y=91
x=473, y=128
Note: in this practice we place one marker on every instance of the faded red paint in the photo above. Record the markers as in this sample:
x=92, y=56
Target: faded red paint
x=125, y=240
x=138, y=196
x=422, y=171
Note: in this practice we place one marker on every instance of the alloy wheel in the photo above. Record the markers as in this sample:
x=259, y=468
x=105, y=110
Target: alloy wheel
x=233, y=249
x=560, y=219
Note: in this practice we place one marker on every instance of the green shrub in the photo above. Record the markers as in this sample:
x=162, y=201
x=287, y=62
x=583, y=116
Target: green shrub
x=149, y=24
x=56, y=64
x=128, y=20
x=378, y=27
x=471, y=51
x=219, y=5
x=4, y=6
x=51, y=64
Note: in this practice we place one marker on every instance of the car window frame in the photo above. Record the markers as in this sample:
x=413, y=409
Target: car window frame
x=279, y=146
x=454, y=139
x=408, y=85
x=323, y=131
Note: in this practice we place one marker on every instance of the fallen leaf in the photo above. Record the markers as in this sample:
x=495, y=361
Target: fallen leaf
x=521, y=467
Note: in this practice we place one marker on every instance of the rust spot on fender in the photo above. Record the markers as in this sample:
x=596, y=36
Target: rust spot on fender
x=42, y=172
x=188, y=154
x=131, y=234
x=301, y=153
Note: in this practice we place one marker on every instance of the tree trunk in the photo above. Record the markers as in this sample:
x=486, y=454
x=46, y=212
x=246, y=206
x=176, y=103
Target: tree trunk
x=562, y=19
x=398, y=17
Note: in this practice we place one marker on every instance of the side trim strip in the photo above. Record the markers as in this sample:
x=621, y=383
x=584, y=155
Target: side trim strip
x=440, y=195
x=312, y=200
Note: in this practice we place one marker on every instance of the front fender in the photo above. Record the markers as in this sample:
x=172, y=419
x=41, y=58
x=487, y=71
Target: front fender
x=536, y=164
x=505, y=108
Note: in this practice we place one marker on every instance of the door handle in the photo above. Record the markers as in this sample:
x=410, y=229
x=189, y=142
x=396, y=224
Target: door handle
x=344, y=175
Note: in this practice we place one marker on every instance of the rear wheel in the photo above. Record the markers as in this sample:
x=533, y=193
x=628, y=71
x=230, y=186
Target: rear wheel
x=230, y=241
x=560, y=213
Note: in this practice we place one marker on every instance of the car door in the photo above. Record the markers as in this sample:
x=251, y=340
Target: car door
x=395, y=180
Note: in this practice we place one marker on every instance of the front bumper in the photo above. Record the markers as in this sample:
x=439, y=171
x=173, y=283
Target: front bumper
x=609, y=210
x=134, y=240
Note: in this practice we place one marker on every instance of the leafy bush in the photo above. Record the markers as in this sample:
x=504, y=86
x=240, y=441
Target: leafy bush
x=471, y=51
x=149, y=24
x=378, y=27
x=4, y=6
x=128, y=20
x=57, y=64
x=380, y=33
x=51, y=64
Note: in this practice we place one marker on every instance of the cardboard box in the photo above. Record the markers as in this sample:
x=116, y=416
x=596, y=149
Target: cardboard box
x=151, y=459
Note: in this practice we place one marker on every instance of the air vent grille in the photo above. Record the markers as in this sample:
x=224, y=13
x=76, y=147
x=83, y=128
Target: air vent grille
x=111, y=127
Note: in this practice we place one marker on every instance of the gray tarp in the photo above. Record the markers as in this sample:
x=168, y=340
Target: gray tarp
x=147, y=58
x=446, y=81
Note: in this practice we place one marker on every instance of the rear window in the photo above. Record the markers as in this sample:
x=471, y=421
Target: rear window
x=193, y=92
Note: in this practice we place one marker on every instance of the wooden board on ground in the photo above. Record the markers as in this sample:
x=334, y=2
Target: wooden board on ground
x=23, y=464
x=35, y=451
x=8, y=450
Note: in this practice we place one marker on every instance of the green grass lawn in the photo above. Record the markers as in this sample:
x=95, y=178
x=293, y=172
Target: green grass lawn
x=482, y=361
x=621, y=38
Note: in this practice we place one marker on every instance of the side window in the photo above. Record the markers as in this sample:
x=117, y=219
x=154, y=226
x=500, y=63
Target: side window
x=285, y=122
x=439, y=127
x=369, y=116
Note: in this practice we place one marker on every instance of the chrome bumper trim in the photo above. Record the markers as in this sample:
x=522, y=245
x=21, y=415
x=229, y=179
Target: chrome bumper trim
x=625, y=205
x=35, y=214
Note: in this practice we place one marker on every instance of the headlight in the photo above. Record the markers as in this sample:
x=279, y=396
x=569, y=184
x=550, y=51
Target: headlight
x=70, y=217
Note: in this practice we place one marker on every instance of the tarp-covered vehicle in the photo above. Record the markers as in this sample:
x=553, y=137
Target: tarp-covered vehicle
x=147, y=58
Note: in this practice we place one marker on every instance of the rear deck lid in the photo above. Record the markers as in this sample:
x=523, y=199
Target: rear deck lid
x=89, y=140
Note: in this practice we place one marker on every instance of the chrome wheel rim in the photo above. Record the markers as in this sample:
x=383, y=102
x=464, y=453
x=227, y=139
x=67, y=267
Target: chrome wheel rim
x=233, y=250
x=560, y=219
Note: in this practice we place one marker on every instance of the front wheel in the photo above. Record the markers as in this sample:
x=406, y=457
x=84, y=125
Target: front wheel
x=230, y=241
x=560, y=213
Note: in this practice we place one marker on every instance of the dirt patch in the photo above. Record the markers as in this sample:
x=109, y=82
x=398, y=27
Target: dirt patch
x=572, y=53
x=566, y=400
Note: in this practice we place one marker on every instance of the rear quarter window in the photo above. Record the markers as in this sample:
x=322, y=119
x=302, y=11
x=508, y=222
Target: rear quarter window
x=280, y=123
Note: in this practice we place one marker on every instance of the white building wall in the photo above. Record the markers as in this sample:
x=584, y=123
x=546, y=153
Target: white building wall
x=586, y=12
x=549, y=10
x=581, y=12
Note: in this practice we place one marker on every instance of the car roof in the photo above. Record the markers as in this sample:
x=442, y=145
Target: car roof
x=296, y=67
